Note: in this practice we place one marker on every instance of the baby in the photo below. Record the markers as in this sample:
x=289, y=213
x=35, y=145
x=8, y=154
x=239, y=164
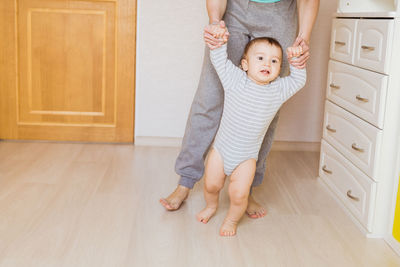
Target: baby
x=253, y=95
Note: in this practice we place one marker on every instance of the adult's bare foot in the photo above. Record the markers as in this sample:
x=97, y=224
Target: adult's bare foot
x=205, y=215
x=255, y=210
x=175, y=199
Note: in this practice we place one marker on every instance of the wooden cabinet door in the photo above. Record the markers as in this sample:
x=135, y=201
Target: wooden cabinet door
x=68, y=69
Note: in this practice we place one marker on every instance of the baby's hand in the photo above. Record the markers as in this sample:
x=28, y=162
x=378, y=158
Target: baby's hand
x=215, y=35
x=217, y=30
x=294, y=51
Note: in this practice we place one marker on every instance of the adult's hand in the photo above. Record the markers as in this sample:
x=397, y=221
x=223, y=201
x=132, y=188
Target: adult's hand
x=216, y=34
x=301, y=61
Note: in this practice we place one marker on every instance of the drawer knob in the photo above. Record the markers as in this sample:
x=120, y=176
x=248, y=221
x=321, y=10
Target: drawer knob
x=340, y=43
x=351, y=196
x=354, y=146
x=326, y=170
x=328, y=127
x=334, y=86
x=362, y=99
x=368, y=48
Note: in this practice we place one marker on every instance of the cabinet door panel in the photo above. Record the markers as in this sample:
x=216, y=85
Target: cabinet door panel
x=373, y=46
x=342, y=39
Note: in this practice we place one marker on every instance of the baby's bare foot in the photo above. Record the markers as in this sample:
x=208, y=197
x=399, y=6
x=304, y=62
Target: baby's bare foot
x=255, y=210
x=205, y=215
x=228, y=228
x=174, y=201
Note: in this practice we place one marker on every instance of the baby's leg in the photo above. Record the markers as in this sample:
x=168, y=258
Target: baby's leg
x=213, y=182
x=239, y=189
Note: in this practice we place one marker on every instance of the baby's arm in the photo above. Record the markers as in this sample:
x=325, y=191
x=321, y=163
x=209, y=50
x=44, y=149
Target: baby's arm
x=291, y=84
x=227, y=72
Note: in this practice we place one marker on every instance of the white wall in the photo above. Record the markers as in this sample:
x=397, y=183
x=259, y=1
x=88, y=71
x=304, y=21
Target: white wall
x=301, y=118
x=169, y=58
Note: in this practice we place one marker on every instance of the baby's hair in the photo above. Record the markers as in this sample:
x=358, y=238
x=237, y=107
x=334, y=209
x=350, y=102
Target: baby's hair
x=269, y=40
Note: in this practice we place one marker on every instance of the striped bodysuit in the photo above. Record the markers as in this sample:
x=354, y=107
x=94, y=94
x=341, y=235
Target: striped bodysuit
x=248, y=109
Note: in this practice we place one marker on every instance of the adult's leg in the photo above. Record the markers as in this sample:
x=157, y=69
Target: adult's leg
x=214, y=178
x=279, y=21
x=201, y=126
x=255, y=210
x=264, y=151
x=239, y=190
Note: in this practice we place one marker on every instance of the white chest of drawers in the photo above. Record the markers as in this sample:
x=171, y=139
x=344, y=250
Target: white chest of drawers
x=360, y=142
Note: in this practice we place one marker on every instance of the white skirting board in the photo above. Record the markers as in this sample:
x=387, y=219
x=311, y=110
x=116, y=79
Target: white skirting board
x=158, y=141
x=276, y=146
x=394, y=244
x=295, y=146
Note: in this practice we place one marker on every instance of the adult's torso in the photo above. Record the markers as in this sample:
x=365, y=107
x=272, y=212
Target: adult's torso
x=256, y=14
x=253, y=19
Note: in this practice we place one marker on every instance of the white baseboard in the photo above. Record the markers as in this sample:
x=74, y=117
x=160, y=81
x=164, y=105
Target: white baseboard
x=158, y=141
x=394, y=244
x=295, y=146
x=276, y=146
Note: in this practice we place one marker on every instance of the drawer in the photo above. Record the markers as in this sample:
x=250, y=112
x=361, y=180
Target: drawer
x=342, y=39
x=373, y=44
x=356, y=139
x=359, y=91
x=351, y=186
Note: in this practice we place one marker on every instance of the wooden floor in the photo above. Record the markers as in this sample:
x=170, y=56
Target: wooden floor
x=97, y=205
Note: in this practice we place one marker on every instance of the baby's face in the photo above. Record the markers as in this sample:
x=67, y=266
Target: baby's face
x=262, y=63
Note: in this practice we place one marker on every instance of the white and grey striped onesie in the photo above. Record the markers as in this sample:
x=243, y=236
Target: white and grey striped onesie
x=248, y=109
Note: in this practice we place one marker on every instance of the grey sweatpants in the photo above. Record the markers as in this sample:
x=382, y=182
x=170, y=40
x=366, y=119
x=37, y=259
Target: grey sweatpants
x=245, y=20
